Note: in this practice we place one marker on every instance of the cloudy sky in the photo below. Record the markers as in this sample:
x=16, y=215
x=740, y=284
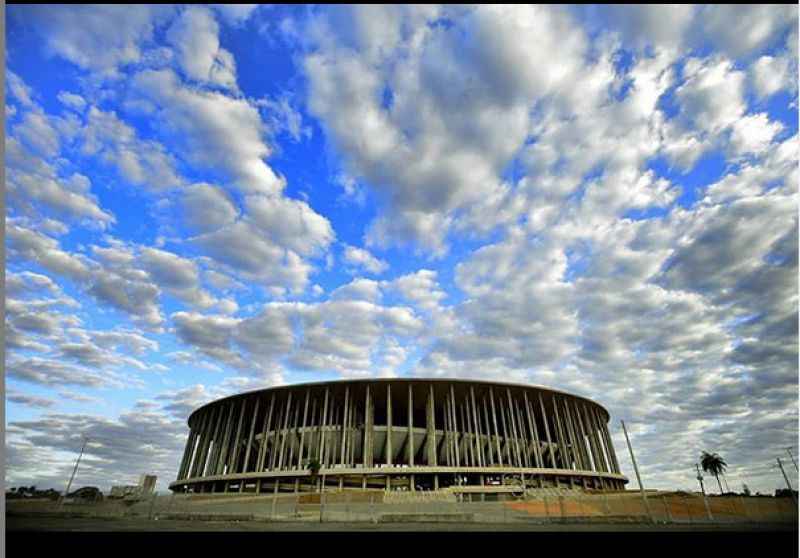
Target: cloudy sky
x=203, y=200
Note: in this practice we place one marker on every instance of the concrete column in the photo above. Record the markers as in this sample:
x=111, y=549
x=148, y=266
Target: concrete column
x=237, y=439
x=487, y=429
x=246, y=466
x=598, y=461
x=294, y=436
x=285, y=429
x=581, y=436
x=506, y=433
x=560, y=435
x=205, y=439
x=368, y=430
x=325, y=433
x=477, y=428
x=345, y=417
x=610, y=445
x=389, y=450
x=198, y=447
x=496, y=432
x=590, y=451
x=524, y=438
x=313, y=432
x=533, y=429
x=322, y=426
x=547, y=432
x=514, y=431
x=468, y=443
x=302, y=448
x=431, y=428
x=410, y=442
x=216, y=438
x=223, y=448
x=274, y=434
x=448, y=438
x=454, y=427
x=573, y=440
x=602, y=434
x=262, y=449
x=187, y=453
x=351, y=433
x=599, y=441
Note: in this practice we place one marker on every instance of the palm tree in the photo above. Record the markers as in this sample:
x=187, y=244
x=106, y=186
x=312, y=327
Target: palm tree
x=714, y=464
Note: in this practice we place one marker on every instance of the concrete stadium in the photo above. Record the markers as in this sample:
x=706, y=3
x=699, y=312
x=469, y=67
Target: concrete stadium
x=399, y=434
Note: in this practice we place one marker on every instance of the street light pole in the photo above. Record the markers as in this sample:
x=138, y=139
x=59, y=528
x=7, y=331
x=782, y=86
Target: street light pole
x=636, y=470
x=791, y=490
x=789, y=451
x=703, y=490
x=75, y=470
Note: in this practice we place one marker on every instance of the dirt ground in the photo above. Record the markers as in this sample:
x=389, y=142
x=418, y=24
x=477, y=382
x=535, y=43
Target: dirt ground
x=18, y=523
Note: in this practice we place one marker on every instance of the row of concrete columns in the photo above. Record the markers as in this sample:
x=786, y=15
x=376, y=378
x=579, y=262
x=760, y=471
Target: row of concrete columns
x=285, y=429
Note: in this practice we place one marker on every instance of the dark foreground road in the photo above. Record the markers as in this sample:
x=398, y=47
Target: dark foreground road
x=31, y=523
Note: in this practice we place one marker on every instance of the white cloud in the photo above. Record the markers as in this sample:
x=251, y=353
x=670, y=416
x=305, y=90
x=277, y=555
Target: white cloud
x=207, y=207
x=215, y=130
x=770, y=74
x=458, y=111
x=753, y=133
x=97, y=37
x=71, y=100
x=195, y=36
x=142, y=162
x=360, y=258
x=235, y=14
x=740, y=30
x=712, y=98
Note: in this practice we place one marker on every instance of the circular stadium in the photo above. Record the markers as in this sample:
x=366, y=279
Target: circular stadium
x=399, y=434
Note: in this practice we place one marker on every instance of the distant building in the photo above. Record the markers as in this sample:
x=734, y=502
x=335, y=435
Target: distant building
x=124, y=491
x=147, y=484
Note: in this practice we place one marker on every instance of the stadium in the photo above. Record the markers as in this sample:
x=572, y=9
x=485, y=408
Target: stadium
x=399, y=434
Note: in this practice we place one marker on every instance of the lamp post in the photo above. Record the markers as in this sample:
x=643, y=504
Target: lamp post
x=703, y=490
x=636, y=470
x=75, y=470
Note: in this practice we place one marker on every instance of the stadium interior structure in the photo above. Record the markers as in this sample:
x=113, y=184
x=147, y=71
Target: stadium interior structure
x=399, y=434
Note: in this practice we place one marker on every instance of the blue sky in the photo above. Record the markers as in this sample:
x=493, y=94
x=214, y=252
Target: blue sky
x=207, y=199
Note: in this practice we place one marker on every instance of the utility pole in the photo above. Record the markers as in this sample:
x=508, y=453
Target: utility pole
x=703, y=490
x=75, y=470
x=791, y=490
x=636, y=470
x=789, y=451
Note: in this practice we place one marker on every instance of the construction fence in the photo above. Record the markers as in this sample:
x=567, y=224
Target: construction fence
x=382, y=507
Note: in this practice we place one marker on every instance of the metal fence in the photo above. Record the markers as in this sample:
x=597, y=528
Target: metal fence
x=377, y=507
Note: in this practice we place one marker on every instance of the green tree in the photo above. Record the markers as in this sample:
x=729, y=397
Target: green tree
x=714, y=464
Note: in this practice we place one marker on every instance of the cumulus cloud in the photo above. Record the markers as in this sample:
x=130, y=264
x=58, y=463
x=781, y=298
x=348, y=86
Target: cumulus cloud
x=141, y=162
x=360, y=258
x=770, y=74
x=207, y=207
x=747, y=29
x=457, y=112
x=215, y=130
x=96, y=37
x=195, y=36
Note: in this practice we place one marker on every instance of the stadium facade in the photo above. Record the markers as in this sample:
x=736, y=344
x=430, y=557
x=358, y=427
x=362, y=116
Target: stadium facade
x=398, y=434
